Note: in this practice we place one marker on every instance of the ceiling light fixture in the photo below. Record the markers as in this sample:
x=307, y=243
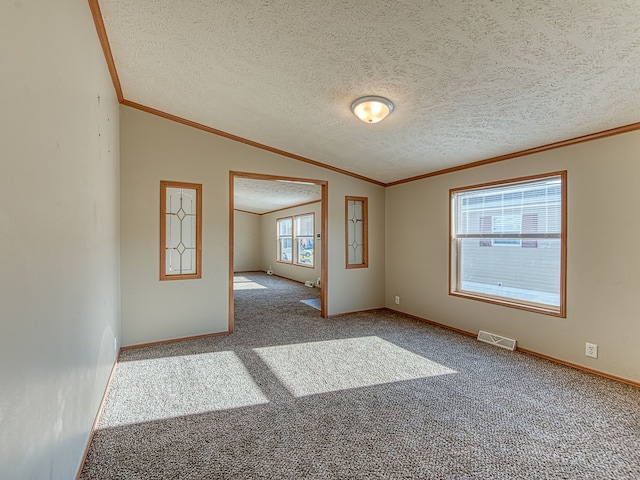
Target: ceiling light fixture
x=372, y=109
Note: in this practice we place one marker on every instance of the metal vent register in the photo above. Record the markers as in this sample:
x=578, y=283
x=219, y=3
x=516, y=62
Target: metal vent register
x=497, y=340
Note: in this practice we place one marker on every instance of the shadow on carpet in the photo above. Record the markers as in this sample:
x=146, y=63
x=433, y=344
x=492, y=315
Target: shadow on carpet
x=373, y=395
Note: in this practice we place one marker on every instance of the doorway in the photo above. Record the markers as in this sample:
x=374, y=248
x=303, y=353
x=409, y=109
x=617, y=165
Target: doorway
x=244, y=190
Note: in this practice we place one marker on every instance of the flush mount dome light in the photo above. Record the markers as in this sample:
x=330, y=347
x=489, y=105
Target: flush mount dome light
x=372, y=109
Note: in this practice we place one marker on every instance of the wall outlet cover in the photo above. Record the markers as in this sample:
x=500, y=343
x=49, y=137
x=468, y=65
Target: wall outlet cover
x=591, y=350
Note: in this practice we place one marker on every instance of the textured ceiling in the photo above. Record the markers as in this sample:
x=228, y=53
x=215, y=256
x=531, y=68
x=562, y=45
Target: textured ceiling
x=262, y=196
x=470, y=79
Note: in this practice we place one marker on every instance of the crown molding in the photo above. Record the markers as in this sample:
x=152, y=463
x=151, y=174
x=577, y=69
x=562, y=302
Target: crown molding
x=106, y=48
x=501, y=158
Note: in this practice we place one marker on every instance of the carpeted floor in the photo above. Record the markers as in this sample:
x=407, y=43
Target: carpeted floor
x=366, y=396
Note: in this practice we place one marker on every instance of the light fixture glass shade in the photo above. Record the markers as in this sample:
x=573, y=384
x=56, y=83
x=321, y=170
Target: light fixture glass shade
x=372, y=109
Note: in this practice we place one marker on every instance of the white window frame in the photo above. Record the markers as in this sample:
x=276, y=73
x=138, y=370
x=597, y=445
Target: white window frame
x=295, y=240
x=280, y=237
x=524, y=240
x=299, y=237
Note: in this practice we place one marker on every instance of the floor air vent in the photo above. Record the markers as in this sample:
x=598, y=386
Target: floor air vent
x=497, y=340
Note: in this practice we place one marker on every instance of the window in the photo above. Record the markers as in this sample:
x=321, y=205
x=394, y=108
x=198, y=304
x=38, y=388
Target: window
x=180, y=230
x=295, y=240
x=508, y=243
x=356, y=232
x=285, y=240
x=304, y=239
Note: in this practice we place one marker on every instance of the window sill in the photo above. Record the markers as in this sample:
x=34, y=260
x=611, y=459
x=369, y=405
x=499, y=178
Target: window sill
x=508, y=302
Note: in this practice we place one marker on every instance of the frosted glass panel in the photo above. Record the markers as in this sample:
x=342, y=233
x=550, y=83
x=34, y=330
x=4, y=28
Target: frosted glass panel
x=356, y=232
x=173, y=231
x=357, y=209
x=180, y=221
x=355, y=255
x=189, y=231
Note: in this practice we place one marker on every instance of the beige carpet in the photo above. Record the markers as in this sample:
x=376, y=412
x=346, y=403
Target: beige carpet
x=374, y=395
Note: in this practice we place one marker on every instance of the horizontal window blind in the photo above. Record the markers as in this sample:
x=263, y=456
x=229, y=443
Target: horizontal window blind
x=507, y=242
x=304, y=225
x=500, y=211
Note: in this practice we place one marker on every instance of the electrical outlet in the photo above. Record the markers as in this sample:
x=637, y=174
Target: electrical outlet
x=591, y=350
x=115, y=344
x=397, y=300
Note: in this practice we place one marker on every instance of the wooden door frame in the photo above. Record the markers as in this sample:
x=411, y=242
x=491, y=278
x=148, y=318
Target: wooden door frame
x=324, y=243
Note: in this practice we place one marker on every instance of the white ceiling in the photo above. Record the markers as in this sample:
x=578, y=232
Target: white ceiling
x=470, y=79
x=262, y=196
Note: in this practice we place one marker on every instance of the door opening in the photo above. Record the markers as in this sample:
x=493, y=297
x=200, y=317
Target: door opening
x=244, y=191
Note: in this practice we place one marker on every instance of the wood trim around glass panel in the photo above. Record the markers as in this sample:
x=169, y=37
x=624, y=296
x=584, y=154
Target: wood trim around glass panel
x=365, y=231
x=163, y=229
x=454, y=274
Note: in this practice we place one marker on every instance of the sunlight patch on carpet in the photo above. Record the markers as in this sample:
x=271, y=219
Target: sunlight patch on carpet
x=168, y=387
x=328, y=366
x=312, y=302
x=243, y=283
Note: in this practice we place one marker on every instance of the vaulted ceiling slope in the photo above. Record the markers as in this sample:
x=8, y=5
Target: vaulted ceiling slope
x=471, y=80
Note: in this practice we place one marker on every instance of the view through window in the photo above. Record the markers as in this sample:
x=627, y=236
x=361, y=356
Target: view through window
x=295, y=240
x=508, y=242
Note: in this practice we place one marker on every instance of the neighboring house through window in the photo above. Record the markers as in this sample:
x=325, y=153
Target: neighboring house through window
x=295, y=236
x=285, y=239
x=508, y=243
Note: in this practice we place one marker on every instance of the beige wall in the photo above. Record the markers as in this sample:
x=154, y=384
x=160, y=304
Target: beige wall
x=59, y=224
x=270, y=246
x=603, y=269
x=154, y=149
x=247, y=242
x=59, y=233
